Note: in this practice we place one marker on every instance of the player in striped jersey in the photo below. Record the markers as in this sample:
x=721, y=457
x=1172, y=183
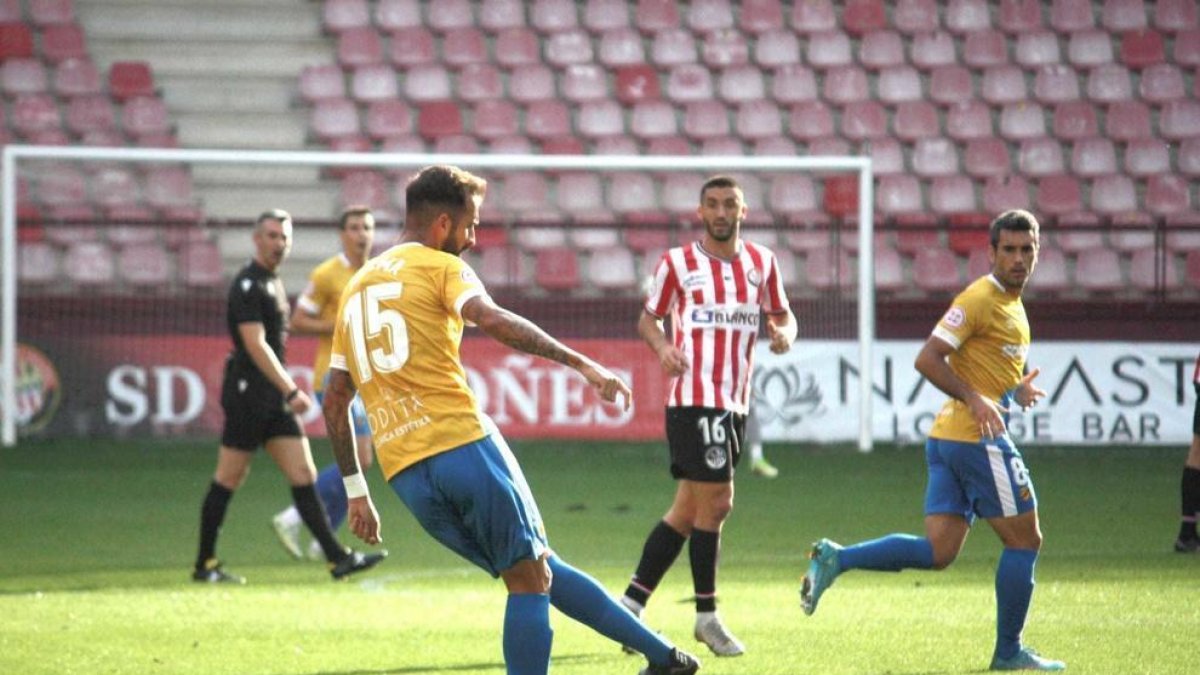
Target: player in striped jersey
x=315, y=312
x=397, y=341
x=1189, y=487
x=976, y=355
x=715, y=292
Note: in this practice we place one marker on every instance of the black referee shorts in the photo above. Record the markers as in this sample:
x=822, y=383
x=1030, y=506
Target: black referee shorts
x=706, y=443
x=1196, y=414
x=255, y=411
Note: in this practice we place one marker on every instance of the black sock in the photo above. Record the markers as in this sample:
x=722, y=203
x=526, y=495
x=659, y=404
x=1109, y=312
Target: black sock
x=1189, y=489
x=661, y=549
x=703, y=550
x=313, y=515
x=212, y=514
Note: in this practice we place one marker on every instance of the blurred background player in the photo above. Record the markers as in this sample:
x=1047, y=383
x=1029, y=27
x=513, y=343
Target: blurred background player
x=1189, y=488
x=976, y=355
x=715, y=291
x=397, y=341
x=314, y=314
x=759, y=465
x=262, y=406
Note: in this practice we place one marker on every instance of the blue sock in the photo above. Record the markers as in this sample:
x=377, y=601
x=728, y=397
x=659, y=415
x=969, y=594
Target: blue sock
x=527, y=634
x=1014, y=589
x=333, y=495
x=892, y=553
x=580, y=597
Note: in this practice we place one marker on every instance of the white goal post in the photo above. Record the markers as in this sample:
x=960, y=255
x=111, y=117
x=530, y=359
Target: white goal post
x=14, y=154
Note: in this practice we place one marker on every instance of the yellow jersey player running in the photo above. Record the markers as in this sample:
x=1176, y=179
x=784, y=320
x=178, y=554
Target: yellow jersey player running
x=315, y=313
x=976, y=355
x=397, y=343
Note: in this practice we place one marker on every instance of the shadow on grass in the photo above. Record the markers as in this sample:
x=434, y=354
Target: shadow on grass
x=466, y=667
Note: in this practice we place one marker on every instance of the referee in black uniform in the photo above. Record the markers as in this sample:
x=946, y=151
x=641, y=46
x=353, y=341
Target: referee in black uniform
x=262, y=407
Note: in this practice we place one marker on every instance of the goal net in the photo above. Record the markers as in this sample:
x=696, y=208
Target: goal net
x=116, y=263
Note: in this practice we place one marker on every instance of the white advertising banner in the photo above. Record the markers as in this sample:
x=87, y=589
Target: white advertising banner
x=1098, y=393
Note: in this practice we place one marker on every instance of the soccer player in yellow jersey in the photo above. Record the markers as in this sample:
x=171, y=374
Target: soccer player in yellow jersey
x=976, y=355
x=397, y=343
x=314, y=314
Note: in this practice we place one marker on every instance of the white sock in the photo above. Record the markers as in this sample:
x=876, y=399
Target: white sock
x=632, y=605
x=705, y=617
x=756, y=452
x=290, y=516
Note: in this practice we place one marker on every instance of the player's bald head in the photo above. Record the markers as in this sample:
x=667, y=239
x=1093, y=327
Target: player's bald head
x=1015, y=220
x=440, y=189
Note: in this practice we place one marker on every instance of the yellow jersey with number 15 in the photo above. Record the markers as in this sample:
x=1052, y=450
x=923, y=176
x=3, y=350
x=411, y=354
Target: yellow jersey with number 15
x=988, y=329
x=398, y=333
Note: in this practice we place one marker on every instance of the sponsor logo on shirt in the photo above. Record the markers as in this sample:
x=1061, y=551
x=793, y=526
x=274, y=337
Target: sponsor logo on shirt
x=726, y=318
x=955, y=317
x=1015, y=352
x=694, y=280
x=754, y=277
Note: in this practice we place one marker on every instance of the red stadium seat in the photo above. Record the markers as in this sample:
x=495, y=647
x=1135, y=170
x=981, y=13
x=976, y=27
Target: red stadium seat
x=986, y=157
x=63, y=41
x=553, y=16
x=362, y=186
x=915, y=120
x=777, y=48
x=319, y=82
x=439, y=118
x=451, y=14
x=334, y=118
x=33, y=114
x=65, y=186
x=632, y=193
x=427, y=83
x=340, y=15
x=1019, y=121
x=864, y=120
x=22, y=76
x=741, y=84
x=503, y=267
x=635, y=83
x=1090, y=48
x=612, y=269
x=897, y=194
x=793, y=84
x=145, y=266
x=130, y=79
x=652, y=119
x=814, y=16
x=557, y=269
x=725, y=48
x=1150, y=272
x=1147, y=157
x=1077, y=232
x=10, y=11
x=863, y=16
x=936, y=270
x=673, y=46
x=1040, y=157
x=169, y=186
x=533, y=82
x=758, y=120
x=1167, y=194
x=966, y=16
x=1192, y=269
x=1119, y=16
x=1175, y=15
x=409, y=47
x=600, y=118
x=1074, y=120
x=621, y=47
x=708, y=16
x=480, y=82
x=950, y=84
x=1179, y=120
x=1038, y=48
x=1005, y=192
x=1099, y=270
x=1188, y=157
x=706, y=119
x=605, y=15
x=495, y=119
x=568, y=47
x=497, y=15
x=375, y=82
x=886, y=156
x=1113, y=194
x=388, y=119
x=1093, y=157
x=1142, y=48
x=1187, y=48
x=952, y=194
x=359, y=47
x=1019, y=16
x=1109, y=83
x=89, y=263
x=930, y=50
x=511, y=145
x=774, y=146
x=1162, y=83
x=16, y=41
x=808, y=121
x=1127, y=121
x=881, y=49
x=1071, y=15
x=37, y=263
x=464, y=46
x=1059, y=195
x=760, y=16
x=898, y=84
x=393, y=15
x=985, y=49
x=845, y=84
x=914, y=17
x=935, y=157
x=547, y=119
x=77, y=77
x=517, y=47
x=200, y=265
x=144, y=116
x=90, y=113
x=826, y=269
x=580, y=194
x=1003, y=85
x=829, y=50
x=114, y=187
x=889, y=270
x=1056, y=84
x=689, y=82
x=1051, y=273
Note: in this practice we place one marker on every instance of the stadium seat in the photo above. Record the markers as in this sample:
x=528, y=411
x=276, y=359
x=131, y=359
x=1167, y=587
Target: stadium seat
x=388, y=119
x=1019, y=121
x=200, y=265
x=986, y=157
x=89, y=263
x=864, y=120
x=408, y=47
x=952, y=195
x=375, y=82
x=605, y=15
x=829, y=50
x=1109, y=83
x=612, y=269
x=985, y=49
x=899, y=84
x=898, y=194
x=1162, y=83
x=1113, y=194
x=547, y=119
x=557, y=269
x=1074, y=120
x=517, y=47
x=1051, y=273
x=498, y=15
x=1167, y=194
x=503, y=267
x=23, y=76
x=340, y=15
x=979, y=265
x=63, y=41
x=1188, y=157
x=673, y=46
x=1099, y=270
x=168, y=186
x=863, y=16
x=652, y=119
x=793, y=84
x=889, y=270
x=915, y=120
x=1038, y=157
x=1147, y=157
x=534, y=82
x=1019, y=16
x=1179, y=120
x=145, y=266
x=1059, y=195
x=950, y=84
x=553, y=16
x=362, y=186
x=63, y=186
x=966, y=16
x=881, y=49
x=90, y=113
x=1077, y=231
x=930, y=50
x=915, y=17
x=635, y=83
x=1174, y=16
x=145, y=115
x=621, y=47
x=479, y=82
x=130, y=79
x=1055, y=84
x=811, y=120
x=1090, y=48
x=936, y=270
x=887, y=157
x=494, y=119
x=464, y=46
x=580, y=195
x=1187, y=48
x=16, y=41
x=600, y=118
x=775, y=146
x=584, y=82
x=359, y=47
x=1118, y=16
x=1142, y=48
x=568, y=47
x=760, y=16
x=934, y=157
x=1067, y=16
x=37, y=264
x=439, y=118
x=1038, y=48
x=451, y=14
x=34, y=113
x=725, y=48
x=1127, y=121
x=1150, y=272
x=511, y=145
x=968, y=231
x=814, y=16
x=845, y=84
x=827, y=146
x=429, y=82
x=777, y=48
x=394, y=15
x=705, y=17
x=10, y=11
x=829, y=268
x=758, y=119
x=319, y=82
x=1093, y=157
x=632, y=192
x=1003, y=85
x=741, y=84
x=1005, y=192
x=76, y=77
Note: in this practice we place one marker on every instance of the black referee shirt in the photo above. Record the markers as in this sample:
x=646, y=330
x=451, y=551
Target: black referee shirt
x=257, y=295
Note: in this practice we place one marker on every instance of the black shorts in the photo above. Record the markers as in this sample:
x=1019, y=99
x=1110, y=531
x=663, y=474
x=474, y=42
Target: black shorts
x=255, y=411
x=1196, y=414
x=706, y=443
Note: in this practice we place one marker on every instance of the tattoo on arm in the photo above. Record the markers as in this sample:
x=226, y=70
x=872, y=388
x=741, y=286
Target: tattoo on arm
x=336, y=410
x=520, y=333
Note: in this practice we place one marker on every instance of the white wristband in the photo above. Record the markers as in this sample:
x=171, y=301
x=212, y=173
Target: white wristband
x=356, y=486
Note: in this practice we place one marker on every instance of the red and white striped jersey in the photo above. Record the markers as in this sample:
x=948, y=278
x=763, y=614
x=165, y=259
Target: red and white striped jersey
x=1196, y=372
x=715, y=308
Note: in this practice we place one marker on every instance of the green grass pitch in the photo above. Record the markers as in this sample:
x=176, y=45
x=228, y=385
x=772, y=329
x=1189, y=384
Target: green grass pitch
x=97, y=540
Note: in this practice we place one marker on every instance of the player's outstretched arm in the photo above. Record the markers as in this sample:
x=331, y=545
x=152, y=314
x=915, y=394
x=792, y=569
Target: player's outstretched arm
x=520, y=333
x=361, y=514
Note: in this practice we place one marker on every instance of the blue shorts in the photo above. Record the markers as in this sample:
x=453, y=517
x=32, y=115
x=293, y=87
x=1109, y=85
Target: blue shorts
x=358, y=412
x=986, y=479
x=475, y=501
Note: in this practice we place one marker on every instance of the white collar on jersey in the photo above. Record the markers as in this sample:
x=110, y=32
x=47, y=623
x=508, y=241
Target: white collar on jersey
x=741, y=246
